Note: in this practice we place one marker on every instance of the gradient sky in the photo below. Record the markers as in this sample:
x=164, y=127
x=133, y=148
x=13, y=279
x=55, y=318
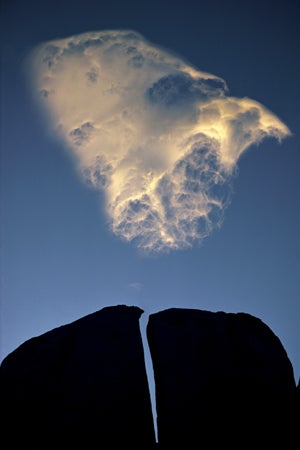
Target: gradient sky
x=64, y=253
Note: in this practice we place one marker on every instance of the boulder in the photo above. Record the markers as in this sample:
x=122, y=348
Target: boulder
x=223, y=380
x=83, y=384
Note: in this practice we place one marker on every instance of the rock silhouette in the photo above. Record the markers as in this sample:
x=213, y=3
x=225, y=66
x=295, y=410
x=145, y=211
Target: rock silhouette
x=83, y=383
x=222, y=380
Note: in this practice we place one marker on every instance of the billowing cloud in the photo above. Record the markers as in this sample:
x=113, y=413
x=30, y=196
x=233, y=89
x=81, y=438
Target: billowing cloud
x=159, y=137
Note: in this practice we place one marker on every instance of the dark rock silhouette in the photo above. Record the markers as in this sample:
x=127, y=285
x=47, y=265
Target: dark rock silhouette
x=222, y=380
x=82, y=384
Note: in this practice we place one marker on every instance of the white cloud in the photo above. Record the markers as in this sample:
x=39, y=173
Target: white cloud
x=136, y=286
x=161, y=138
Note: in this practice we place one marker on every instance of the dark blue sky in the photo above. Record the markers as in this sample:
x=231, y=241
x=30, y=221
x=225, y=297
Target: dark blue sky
x=59, y=261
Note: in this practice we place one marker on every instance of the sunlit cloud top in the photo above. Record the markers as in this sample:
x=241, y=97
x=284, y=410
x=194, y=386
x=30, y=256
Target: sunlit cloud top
x=160, y=138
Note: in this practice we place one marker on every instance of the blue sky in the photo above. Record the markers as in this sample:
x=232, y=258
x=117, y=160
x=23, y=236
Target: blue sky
x=59, y=258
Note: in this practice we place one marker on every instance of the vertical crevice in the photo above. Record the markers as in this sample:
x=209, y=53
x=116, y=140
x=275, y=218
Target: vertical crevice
x=149, y=368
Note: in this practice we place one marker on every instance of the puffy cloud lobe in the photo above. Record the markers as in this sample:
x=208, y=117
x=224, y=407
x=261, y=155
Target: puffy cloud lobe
x=161, y=138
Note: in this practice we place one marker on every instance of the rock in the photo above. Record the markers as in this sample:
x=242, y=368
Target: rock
x=222, y=380
x=82, y=384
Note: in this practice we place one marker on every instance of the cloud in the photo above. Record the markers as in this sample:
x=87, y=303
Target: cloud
x=136, y=286
x=159, y=137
